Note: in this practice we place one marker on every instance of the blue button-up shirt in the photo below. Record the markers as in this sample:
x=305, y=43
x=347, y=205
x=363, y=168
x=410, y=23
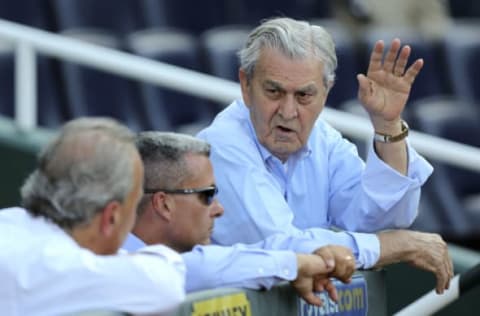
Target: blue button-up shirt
x=247, y=266
x=324, y=185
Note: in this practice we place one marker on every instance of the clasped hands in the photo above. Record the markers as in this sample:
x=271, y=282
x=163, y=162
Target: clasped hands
x=316, y=270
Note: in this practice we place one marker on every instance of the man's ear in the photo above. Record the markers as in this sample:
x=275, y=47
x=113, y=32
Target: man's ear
x=163, y=205
x=245, y=86
x=110, y=216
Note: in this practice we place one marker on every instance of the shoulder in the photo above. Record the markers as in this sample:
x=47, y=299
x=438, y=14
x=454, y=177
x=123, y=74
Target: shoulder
x=230, y=124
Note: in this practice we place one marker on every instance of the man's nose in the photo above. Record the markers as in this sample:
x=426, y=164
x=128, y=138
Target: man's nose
x=288, y=108
x=216, y=209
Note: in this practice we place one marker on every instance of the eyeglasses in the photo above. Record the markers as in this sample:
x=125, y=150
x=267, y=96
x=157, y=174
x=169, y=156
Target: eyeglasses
x=207, y=193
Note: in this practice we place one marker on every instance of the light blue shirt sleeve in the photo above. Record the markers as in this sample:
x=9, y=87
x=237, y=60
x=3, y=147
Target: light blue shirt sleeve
x=246, y=266
x=309, y=241
x=237, y=266
x=325, y=185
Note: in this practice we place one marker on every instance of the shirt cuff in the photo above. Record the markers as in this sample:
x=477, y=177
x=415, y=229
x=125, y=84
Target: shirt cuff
x=394, y=185
x=286, y=264
x=368, y=249
x=418, y=168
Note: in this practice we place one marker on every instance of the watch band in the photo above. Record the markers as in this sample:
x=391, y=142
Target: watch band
x=385, y=138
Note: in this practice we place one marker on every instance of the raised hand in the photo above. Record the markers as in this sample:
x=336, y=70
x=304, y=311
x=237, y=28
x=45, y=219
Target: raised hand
x=385, y=89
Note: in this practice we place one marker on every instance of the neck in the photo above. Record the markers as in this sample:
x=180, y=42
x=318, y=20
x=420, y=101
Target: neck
x=151, y=232
x=85, y=238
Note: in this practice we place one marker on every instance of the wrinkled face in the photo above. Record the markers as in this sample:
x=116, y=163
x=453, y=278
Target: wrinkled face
x=193, y=218
x=129, y=206
x=285, y=97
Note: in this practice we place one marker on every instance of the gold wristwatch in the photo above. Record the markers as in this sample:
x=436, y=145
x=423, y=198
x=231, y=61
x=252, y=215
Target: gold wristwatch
x=385, y=138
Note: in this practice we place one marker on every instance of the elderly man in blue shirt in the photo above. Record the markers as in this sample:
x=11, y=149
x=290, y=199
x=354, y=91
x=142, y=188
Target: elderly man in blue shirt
x=283, y=169
x=179, y=209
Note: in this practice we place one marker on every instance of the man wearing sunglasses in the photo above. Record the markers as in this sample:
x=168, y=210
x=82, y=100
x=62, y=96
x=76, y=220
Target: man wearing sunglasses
x=179, y=208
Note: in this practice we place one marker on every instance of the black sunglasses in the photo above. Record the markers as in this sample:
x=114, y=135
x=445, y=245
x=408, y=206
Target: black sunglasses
x=207, y=193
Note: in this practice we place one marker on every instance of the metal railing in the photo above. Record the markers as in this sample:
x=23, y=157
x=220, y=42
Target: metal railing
x=30, y=41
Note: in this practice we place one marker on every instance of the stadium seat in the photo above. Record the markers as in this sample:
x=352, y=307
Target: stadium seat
x=166, y=109
x=118, y=17
x=464, y=8
x=34, y=13
x=462, y=47
x=189, y=16
x=220, y=46
x=346, y=86
x=454, y=192
x=91, y=92
x=252, y=12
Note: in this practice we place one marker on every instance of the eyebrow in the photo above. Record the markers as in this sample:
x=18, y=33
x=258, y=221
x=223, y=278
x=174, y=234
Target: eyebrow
x=273, y=84
x=310, y=88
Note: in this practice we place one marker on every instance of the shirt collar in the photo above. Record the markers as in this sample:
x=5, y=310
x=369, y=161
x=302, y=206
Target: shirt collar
x=133, y=243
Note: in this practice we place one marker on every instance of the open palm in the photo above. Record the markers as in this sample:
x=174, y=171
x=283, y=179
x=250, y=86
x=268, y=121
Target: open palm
x=384, y=91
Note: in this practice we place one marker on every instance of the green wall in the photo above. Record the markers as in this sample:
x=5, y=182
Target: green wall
x=18, y=152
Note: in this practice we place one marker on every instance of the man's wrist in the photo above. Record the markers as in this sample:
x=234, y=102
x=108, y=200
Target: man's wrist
x=389, y=138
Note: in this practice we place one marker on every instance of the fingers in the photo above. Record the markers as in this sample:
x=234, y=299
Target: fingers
x=310, y=265
x=444, y=275
x=326, y=284
x=343, y=259
x=431, y=254
x=413, y=71
x=401, y=62
x=395, y=61
x=376, y=57
x=311, y=298
x=364, y=87
x=391, y=56
x=332, y=291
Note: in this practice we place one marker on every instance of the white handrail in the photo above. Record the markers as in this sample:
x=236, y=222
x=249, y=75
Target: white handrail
x=187, y=81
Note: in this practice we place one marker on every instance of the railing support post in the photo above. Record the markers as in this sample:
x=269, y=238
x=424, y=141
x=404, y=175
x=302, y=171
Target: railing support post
x=25, y=86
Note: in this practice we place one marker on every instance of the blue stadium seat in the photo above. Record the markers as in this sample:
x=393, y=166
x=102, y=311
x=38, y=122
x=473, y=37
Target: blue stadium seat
x=454, y=192
x=91, y=92
x=166, y=109
x=346, y=85
x=220, y=46
x=118, y=17
x=34, y=13
x=190, y=16
x=464, y=8
x=252, y=11
x=462, y=47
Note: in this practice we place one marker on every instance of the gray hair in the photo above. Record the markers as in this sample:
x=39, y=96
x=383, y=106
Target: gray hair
x=90, y=163
x=163, y=155
x=295, y=39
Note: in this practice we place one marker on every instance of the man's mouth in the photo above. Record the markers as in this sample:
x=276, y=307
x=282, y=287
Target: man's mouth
x=284, y=129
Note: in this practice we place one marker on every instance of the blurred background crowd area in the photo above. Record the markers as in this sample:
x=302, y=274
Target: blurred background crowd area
x=205, y=36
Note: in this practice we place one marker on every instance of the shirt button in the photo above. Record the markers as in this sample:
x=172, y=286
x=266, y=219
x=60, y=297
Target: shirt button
x=260, y=270
x=286, y=272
